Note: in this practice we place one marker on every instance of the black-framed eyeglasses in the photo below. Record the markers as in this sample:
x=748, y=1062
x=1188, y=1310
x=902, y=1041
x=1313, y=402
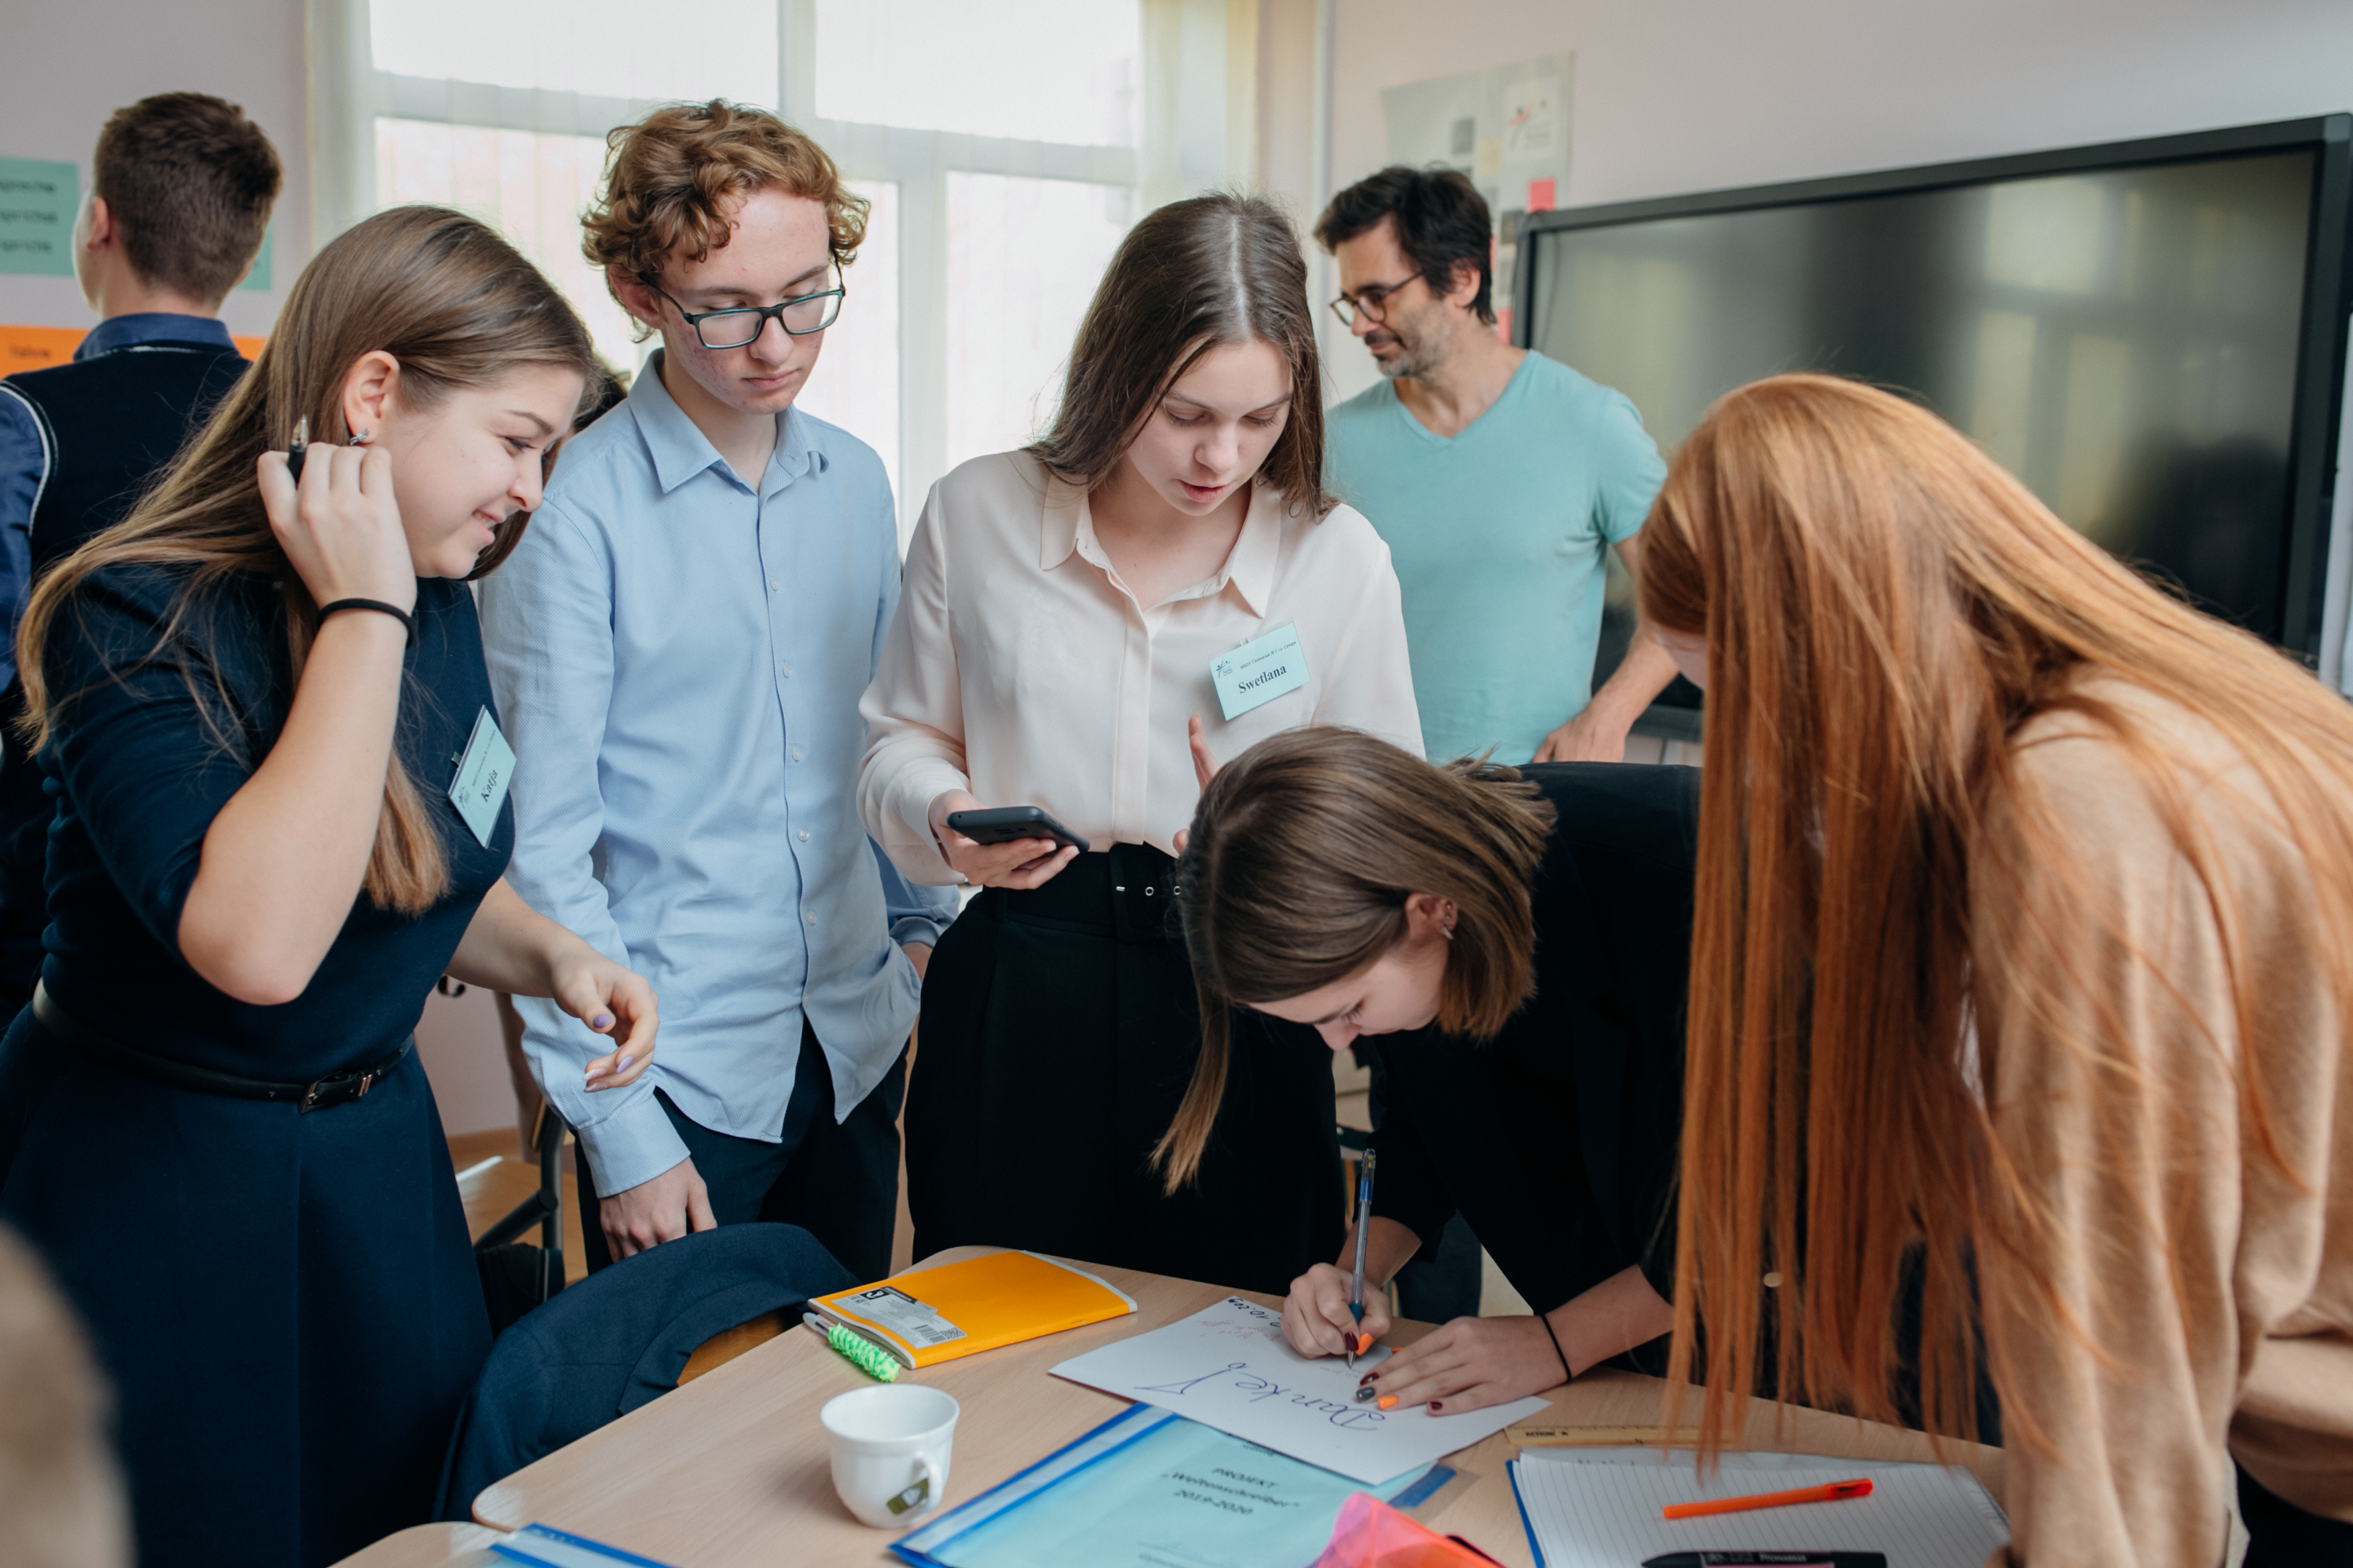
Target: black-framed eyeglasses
x=741, y=324
x=1372, y=302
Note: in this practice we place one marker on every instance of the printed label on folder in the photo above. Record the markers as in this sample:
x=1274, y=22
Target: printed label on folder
x=1257, y=672
x=901, y=1314
x=484, y=772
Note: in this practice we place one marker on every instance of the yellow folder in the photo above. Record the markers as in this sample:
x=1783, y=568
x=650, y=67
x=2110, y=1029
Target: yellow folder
x=963, y=1309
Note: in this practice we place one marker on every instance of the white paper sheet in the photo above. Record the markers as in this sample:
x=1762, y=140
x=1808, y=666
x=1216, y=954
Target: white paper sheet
x=1230, y=1367
x=1599, y=1508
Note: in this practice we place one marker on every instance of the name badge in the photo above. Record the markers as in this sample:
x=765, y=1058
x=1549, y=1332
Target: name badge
x=1257, y=672
x=484, y=771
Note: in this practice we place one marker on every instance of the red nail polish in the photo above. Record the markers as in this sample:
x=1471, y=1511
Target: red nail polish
x=1435, y=1408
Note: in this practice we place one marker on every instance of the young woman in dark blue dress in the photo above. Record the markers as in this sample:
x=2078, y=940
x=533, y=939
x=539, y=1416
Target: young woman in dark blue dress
x=251, y=698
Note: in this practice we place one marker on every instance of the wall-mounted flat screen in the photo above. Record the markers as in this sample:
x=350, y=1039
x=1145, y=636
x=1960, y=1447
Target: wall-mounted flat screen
x=2127, y=340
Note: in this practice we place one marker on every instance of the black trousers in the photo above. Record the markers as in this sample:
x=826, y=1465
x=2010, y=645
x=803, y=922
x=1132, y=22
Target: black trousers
x=1060, y=1031
x=2282, y=1535
x=838, y=1181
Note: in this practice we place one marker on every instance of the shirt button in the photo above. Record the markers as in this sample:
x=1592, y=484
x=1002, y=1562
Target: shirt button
x=786, y=670
x=811, y=918
x=796, y=754
x=804, y=835
x=771, y=585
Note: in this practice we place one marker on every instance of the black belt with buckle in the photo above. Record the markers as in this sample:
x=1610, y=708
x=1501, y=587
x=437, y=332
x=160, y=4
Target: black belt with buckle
x=337, y=1088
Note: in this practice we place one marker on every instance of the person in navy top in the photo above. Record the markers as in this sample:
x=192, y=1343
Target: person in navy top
x=182, y=185
x=258, y=699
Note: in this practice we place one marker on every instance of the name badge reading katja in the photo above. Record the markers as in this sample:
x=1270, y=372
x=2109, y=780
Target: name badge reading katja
x=1259, y=671
x=483, y=773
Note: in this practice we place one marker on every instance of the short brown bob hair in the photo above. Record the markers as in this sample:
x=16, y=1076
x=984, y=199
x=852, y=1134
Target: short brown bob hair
x=1196, y=275
x=1301, y=854
x=191, y=180
x=670, y=178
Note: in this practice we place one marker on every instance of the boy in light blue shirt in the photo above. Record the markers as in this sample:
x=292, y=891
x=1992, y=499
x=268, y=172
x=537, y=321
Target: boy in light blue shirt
x=1499, y=478
x=678, y=645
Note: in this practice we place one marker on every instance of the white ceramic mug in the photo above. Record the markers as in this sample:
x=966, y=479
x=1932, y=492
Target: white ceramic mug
x=891, y=1444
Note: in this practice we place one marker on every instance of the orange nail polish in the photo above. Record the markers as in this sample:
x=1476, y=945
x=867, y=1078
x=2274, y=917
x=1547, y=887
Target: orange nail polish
x=1387, y=1401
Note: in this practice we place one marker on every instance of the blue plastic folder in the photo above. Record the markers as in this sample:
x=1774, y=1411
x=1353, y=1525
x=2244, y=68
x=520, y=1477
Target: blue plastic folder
x=1146, y=1488
x=544, y=1548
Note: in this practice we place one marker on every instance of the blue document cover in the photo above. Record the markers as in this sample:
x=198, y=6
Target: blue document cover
x=1145, y=1490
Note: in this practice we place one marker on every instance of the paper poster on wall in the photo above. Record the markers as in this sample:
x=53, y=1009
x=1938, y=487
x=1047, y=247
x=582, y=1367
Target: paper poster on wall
x=35, y=348
x=37, y=199
x=1507, y=128
x=258, y=279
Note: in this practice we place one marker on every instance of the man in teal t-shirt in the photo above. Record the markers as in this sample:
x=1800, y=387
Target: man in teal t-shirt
x=1498, y=477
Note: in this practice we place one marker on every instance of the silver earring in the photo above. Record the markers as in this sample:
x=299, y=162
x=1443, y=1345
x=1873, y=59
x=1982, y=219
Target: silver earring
x=361, y=437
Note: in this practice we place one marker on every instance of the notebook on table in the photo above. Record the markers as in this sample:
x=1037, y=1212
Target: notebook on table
x=958, y=1310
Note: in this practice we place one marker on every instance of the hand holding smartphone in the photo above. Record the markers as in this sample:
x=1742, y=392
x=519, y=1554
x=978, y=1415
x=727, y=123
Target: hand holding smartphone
x=1016, y=847
x=1006, y=824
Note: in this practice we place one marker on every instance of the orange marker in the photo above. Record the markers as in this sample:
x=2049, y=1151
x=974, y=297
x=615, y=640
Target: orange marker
x=1830, y=1493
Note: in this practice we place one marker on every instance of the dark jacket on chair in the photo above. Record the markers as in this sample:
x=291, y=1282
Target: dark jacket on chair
x=618, y=1340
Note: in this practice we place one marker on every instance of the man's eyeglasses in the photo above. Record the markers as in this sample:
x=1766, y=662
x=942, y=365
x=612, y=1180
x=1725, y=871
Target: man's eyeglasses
x=738, y=325
x=1371, y=303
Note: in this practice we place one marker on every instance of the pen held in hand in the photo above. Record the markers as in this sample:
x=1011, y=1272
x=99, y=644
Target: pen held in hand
x=1364, y=1224
x=297, y=446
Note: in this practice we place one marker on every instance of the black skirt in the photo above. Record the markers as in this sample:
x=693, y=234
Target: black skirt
x=1060, y=1030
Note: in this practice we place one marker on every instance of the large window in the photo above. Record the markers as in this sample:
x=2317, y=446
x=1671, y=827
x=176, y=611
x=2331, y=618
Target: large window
x=1006, y=146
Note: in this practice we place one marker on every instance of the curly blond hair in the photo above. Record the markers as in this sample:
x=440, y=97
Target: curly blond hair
x=669, y=179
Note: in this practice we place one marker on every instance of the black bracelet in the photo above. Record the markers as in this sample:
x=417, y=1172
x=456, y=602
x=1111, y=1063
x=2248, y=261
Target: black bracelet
x=407, y=621
x=1566, y=1375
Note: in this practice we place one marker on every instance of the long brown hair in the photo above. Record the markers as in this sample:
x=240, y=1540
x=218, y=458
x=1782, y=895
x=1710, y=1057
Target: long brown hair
x=458, y=307
x=1210, y=272
x=1297, y=870
x=1883, y=608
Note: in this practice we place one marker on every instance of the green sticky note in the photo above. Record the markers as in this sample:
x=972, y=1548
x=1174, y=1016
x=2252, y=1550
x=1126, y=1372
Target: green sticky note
x=260, y=276
x=36, y=216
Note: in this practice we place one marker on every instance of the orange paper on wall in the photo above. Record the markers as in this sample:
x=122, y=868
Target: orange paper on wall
x=36, y=347
x=962, y=1308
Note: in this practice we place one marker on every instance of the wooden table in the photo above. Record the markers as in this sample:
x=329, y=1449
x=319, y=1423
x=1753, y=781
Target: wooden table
x=430, y=1546
x=731, y=1471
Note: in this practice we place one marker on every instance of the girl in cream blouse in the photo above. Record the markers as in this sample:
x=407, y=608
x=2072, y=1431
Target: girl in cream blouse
x=1063, y=609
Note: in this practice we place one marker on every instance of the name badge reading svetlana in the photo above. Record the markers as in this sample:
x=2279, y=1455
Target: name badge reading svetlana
x=484, y=772
x=1259, y=671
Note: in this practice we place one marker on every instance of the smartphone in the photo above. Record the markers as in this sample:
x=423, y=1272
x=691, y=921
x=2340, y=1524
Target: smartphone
x=1007, y=823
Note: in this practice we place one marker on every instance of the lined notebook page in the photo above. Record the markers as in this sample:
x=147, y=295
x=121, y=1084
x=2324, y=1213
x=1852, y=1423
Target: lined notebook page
x=1602, y=1510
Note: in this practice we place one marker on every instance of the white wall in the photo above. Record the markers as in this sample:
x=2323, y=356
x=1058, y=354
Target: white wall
x=75, y=62
x=1672, y=96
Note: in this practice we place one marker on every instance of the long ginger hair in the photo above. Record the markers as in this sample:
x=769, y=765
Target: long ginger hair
x=1883, y=608
x=458, y=307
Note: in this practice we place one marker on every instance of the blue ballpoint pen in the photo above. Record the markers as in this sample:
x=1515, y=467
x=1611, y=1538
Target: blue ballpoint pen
x=1364, y=1224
